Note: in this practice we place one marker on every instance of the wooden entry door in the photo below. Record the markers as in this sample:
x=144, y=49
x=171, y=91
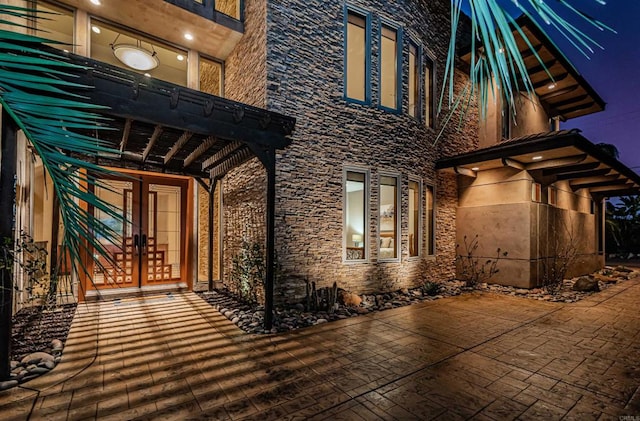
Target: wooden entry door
x=149, y=248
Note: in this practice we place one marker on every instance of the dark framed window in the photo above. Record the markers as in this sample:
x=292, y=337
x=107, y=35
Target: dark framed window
x=390, y=67
x=356, y=211
x=414, y=78
x=357, y=56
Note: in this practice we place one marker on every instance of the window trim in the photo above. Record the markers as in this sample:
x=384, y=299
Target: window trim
x=399, y=67
x=398, y=205
x=552, y=196
x=367, y=213
x=367, y=53
x=536, y=192
x=419, y=77
x=432, y=232
x=428, y=62
x=421, y=216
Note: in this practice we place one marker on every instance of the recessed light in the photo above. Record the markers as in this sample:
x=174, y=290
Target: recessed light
x=553, y=85
x=537, y=158
x=95, y=29
x=188, y=36
x=147, y=75
x=475, y=169
x=96, y=2
x=180, y=57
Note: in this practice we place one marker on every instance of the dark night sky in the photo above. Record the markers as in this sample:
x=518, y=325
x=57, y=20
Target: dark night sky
x=613, y=72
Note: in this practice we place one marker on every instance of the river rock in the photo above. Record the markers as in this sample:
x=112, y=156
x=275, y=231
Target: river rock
x=36, y=357
x=56, y=345
x=8, y=384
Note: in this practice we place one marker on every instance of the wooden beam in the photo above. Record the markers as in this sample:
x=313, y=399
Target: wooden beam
x=238, y=158
x=559, y=92
x=465, y=171
x=125, y=134
x=595, y=179
x=549, y=81
x=197, y=153
x=508, y=162
x=152, y=141
x=576, y=108
x=570, y=169
x=530, y=52
x=182, y=140
x=582, y=174
x=558, y=162
x=544, y=67
x=570, y=101
x=620, y=181
x=220, y=155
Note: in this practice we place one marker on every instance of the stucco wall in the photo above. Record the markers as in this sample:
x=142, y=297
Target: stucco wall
x=497, y=207
x=304, y=79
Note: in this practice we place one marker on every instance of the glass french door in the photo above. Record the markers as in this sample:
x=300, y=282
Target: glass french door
x=149, y=248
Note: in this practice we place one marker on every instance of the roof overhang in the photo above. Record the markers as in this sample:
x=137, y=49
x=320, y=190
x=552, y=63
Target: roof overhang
x=551, y=157
x=161, y=127
x=561, y=89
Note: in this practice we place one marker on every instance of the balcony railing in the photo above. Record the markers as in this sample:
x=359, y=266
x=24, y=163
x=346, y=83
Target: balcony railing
x=229, y=13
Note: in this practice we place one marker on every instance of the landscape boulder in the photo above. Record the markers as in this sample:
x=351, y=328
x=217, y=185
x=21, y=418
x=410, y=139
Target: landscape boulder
x=586, y=284
x=349, y=299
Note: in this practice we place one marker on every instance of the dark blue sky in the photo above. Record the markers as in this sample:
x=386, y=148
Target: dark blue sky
x=613, y=72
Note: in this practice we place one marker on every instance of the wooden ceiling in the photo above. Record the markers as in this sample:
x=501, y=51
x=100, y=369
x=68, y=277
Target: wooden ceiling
x=562, y=90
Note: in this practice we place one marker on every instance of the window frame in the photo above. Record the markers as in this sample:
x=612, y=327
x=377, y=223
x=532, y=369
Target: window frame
x=222, y=69
x=421, y=217
x=366, y=15
x=399, y=74
x=552, y=196
x=419, y=77
x=428, y=62
x=367, y=213
x=431, y=234
x=536, y=192
x=398, y=207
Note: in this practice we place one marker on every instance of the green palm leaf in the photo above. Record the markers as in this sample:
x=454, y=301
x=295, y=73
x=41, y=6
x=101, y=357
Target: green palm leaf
x=39, y=101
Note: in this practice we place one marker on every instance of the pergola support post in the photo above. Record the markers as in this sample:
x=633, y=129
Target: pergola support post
x=270, y=165
x=7, y=193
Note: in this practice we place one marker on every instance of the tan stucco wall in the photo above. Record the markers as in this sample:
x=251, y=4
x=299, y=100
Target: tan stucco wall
x=497, y=207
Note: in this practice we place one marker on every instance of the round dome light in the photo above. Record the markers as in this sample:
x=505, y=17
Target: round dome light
x=136, y=57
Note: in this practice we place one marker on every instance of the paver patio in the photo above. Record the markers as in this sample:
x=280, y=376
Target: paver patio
x=477, y=356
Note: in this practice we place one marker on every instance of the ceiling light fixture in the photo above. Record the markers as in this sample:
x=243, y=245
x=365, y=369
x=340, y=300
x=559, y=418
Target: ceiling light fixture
x=475, y=169
x=537, y=158
x=553, y=85
x=135, y=56
x=188, y=36
x=95, y=29
x=96, y=2
x=180, y=57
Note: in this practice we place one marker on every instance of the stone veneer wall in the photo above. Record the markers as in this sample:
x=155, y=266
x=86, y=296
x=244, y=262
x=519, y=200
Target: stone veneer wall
x=304, y=79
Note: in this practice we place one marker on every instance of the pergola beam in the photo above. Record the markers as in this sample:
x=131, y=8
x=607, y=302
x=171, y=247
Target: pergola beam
x=465, y=171
x=557, y=162
x=571, y=169
x=182, y=140
x=239, y=157
x=583, y=174
x=197, y=153
x=125, y=134
x=220, y=155
x=157, y=131
x=508, y=162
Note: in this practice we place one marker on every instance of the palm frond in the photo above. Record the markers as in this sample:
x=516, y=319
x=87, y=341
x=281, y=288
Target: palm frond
x=36, y=93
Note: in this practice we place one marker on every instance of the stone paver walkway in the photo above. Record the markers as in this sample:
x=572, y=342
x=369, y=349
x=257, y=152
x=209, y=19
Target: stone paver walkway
x=477, y=356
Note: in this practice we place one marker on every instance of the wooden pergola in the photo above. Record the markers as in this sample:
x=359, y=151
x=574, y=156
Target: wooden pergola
x=165, y=128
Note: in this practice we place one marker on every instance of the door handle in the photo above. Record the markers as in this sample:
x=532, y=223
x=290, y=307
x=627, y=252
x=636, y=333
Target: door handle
x=144, y=244
x=136, y=244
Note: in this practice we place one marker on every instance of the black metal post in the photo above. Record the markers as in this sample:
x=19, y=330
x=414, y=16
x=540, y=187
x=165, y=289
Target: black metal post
x=271, y=245
x=7, y=215
x=212, y=191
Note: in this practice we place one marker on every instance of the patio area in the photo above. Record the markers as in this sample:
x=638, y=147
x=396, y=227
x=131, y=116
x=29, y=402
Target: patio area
x=476, y=356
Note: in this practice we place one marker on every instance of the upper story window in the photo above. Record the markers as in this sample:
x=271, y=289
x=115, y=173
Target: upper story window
x=390, y=67
x=171, y=61
x=56, y=24
x=428, y=93
x=209, y=8
x=357, y=62
x=210, y=72
x=414, y=75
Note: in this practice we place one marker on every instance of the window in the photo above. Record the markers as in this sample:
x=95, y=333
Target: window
x=414, y=87
x=506, y=120
x=172, y=65
x=211, y=77
x=415, y=203
x=536, y=192
x=355, y=215
x=357, y=47
x=431, y=220
x=388, y=218
x=56, y=24
x=390, y=59
x=552, y=194
x=428, y=93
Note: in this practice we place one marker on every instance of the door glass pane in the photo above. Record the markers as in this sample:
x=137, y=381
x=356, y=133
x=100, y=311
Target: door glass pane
x=163, y=242
x=118, y=194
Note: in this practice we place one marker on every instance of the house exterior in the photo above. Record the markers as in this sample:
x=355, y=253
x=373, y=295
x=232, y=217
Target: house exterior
x=364, y=192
